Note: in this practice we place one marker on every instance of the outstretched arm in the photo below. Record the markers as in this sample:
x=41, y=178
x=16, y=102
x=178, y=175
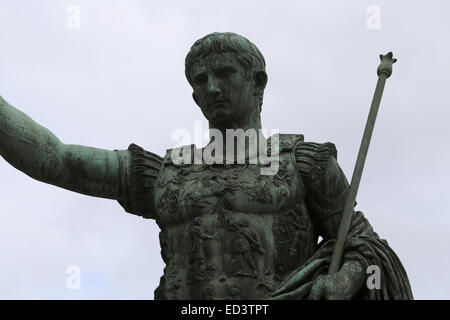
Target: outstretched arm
x=37, y=152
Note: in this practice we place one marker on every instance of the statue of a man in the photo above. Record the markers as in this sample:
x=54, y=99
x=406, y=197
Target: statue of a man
x=255, y=236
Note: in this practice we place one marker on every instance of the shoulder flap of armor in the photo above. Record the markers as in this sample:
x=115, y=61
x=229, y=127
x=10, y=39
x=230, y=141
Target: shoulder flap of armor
x=145, y=167
x=312, y=158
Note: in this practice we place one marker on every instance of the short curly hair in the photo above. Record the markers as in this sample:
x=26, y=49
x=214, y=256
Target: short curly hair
x=246, y=52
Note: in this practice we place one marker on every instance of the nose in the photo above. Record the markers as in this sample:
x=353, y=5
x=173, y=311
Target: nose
x=213, y=86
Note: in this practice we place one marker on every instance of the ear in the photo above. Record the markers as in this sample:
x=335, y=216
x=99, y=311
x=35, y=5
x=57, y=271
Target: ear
x=260, y=78
x=195, y=99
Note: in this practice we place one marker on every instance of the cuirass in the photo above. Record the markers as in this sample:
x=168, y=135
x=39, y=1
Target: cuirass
x=229, y=232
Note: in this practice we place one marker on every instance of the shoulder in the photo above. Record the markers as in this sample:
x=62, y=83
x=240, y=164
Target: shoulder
x=144, y=164
x=313, y=158
x=143, y=156
x=143, y=170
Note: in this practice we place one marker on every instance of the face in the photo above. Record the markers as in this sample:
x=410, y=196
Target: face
x=221, y=88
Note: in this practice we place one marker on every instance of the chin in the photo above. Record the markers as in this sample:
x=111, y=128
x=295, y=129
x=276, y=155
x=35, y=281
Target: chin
x=220, y=116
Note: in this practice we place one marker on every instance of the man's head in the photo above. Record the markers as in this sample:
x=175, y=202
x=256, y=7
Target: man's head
x=227, y=73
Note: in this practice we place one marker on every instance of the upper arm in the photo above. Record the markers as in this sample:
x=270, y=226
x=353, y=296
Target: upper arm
x=128, y=176
x=36, y=151
x=92, y=171
x=327, y=189
x=326, y=185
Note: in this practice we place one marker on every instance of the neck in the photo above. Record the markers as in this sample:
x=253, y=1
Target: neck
x=250, y=125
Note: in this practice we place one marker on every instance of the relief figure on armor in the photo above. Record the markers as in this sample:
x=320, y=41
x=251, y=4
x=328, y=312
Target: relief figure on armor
x=227, y=232
x=199, y=265
x=246, y=243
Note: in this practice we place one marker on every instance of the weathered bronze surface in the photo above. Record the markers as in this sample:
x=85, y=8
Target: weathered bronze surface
x=384, y=71
x=227, y=231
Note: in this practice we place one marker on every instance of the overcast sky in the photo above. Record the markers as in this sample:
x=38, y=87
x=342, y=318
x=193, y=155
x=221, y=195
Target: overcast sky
x=119, y=79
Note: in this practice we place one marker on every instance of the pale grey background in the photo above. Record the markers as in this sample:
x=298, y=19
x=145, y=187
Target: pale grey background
x=120, y=79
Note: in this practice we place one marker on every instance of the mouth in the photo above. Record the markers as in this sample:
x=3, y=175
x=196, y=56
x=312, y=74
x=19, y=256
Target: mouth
x=218, y=104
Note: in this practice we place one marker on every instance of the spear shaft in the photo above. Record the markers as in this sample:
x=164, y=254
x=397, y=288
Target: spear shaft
x=384, y=71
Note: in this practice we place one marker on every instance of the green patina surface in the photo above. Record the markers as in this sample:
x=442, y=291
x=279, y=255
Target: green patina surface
x=227, y=232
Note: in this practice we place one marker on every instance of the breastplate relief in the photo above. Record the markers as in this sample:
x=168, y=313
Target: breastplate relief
x=235, y=233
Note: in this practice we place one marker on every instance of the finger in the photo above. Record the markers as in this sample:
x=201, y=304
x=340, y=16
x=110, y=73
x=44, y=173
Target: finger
x=316, y=291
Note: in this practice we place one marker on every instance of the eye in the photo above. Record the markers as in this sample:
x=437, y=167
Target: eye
x=201, y=78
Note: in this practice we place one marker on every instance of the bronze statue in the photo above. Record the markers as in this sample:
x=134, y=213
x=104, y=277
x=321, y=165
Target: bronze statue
x=227, y=231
